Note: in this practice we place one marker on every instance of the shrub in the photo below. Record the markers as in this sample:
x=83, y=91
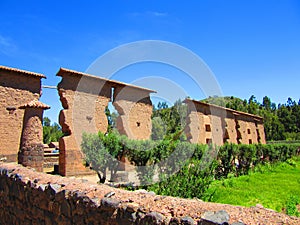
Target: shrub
x=291, y=206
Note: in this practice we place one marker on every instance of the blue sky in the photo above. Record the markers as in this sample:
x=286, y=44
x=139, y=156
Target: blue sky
x=252, y=47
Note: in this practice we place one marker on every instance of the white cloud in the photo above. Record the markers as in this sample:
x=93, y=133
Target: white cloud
x=148, y=14
x=157, y=14
x=7, y=47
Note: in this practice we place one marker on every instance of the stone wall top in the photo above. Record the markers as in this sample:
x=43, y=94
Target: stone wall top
x=24, y=72
x=43, y=198
x=115, y=84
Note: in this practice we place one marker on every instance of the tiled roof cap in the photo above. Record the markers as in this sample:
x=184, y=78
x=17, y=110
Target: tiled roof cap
x=35, y=104
x=114, y=83
x=5, y=68
x=222, y=108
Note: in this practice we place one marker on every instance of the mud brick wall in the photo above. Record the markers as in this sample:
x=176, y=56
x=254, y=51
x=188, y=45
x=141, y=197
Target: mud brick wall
x=230, y=135
x=135, y=109
x=210, y=123
x=84, y=99
x=260, y=132
x=247, y=129
x=197, y=125
x=16, y=88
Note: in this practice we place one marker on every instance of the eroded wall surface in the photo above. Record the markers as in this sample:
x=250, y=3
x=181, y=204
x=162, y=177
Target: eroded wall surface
x=84, y=98
x=230, y=135
x=208, y=123
x=135, y=109
x=16, y=88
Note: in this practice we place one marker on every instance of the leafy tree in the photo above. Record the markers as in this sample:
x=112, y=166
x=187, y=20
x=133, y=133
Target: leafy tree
x=51, y=133
x=102, y=152
x=158, y=128
x=266, y=103
x=171, y=120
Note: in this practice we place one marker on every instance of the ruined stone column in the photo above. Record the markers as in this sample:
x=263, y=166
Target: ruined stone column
x=31, y=151
x=135, y=109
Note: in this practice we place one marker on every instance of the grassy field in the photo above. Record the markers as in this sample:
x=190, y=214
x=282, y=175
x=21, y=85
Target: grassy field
x=271, y=186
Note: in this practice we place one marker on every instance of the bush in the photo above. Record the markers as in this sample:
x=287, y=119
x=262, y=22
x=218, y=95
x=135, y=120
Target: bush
x=197, y=165
x=291, y=206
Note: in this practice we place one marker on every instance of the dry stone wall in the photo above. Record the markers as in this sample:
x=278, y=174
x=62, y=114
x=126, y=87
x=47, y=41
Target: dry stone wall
x=29, y=197
x=208, y=123
x=16, y=88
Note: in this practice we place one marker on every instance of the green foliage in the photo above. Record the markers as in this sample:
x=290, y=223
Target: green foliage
x=167, y=121
x=270, y=185
x=191, y=181
x=159, y=128
x=242, y=159
x=291, y=206
x=184, y=169
x=102, y=151
x=51, y=133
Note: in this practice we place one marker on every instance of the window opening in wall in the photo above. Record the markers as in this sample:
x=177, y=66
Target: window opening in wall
x=111, y=112
x=207, y=128
x=208, y=140
x=249, y=131
x=138, y=124
x=250, y=141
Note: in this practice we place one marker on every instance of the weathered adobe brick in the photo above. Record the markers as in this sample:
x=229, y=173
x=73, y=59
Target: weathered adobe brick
x=225, y=125
x=84, y=98
x=16, y=88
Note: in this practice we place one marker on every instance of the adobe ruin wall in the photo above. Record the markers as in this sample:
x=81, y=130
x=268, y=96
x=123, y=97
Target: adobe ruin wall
x=84, y=98
x=135, y=109
x=207, y=123
x=17, y=87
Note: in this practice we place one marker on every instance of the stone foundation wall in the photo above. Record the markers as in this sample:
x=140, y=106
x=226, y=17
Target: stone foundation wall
x=16, y=88
x=32, y=155
x=29, y=197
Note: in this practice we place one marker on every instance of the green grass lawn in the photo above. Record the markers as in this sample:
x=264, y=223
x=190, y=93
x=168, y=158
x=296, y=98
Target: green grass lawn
x=272, y=187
